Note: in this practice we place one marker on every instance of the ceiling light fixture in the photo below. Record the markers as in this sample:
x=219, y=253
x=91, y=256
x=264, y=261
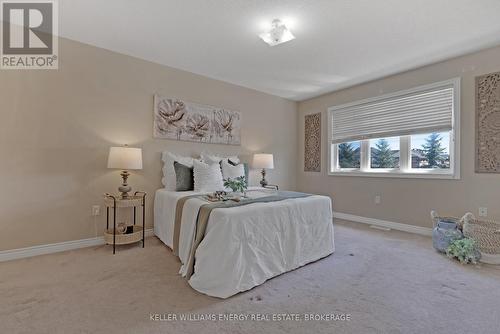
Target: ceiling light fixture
x=278, y=34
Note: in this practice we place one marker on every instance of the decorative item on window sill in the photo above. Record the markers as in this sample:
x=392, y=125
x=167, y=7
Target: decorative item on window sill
x=264, y=161
x=125, y=158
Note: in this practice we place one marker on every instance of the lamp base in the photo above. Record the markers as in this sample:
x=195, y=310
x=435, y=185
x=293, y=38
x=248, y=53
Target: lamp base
x=263, y=182
x=125, y=188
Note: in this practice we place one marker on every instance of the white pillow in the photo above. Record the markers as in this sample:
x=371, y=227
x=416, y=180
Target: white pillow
x=232, y=172
x=168, y=159
x=207, y=178
x=212, y=158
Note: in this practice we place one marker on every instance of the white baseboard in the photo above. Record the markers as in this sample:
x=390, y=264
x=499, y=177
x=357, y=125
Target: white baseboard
x=20, y=253
x=384, y=223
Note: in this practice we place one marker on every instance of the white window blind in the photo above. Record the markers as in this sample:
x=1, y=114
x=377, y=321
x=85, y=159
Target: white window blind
x=425, y=111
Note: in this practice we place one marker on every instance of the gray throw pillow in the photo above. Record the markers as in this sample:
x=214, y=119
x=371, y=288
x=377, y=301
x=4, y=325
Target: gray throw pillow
x=184, y=178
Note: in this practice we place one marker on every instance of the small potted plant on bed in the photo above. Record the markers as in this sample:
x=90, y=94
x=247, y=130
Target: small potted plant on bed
x=237, y=185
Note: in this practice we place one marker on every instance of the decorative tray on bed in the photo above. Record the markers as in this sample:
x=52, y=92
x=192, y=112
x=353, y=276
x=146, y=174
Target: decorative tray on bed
x=222, y=196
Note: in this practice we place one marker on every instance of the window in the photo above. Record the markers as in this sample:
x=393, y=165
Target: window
x=349, y=154
x=384, y=153
x=412, y=133
x=431, y=150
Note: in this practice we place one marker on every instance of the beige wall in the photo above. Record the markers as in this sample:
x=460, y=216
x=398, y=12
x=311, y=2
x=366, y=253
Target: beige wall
x=409, y=200
x=56, y=128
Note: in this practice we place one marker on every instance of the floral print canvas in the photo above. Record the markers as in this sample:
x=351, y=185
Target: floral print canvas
x=181, y=120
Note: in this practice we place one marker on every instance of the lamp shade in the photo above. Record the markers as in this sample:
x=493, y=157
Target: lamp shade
x=125, y=158
x=262, y=160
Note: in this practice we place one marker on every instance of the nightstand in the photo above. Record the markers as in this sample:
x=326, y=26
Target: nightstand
x=137, y=234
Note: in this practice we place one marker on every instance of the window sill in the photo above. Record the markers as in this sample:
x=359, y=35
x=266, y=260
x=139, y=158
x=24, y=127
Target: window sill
x=399, y=174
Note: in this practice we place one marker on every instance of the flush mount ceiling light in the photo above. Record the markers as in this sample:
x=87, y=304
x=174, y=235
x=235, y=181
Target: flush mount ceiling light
x=278, y=34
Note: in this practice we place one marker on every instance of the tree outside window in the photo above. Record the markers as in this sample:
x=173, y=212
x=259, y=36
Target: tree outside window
x=430, y=150
x=349, y=155
x=384, y=153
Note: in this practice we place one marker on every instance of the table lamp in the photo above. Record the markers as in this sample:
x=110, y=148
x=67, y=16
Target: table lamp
x=262, y=160
x=125, y=158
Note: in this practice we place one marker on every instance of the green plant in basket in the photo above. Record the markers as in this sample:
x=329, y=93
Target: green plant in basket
x=238, y=184
x=464, y=250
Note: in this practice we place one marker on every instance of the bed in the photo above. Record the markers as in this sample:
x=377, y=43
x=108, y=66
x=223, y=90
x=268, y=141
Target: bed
x=244, y=246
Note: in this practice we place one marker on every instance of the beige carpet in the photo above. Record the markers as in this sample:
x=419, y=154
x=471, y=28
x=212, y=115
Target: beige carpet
x=389, y=282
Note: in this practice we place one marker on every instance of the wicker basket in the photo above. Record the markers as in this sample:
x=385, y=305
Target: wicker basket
x=486, y=234
x=123, y=239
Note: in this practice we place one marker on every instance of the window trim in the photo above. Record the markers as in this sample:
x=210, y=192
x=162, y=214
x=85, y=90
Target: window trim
x=404, y=170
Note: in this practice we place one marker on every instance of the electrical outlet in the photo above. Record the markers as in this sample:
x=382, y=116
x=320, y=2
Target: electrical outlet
x=96, y=210
x=483, y=212
x=377, y=199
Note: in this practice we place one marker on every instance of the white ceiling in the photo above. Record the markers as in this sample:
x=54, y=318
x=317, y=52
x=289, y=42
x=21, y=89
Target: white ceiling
x=339, y=42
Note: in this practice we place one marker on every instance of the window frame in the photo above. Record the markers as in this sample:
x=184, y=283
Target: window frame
x=404, y=170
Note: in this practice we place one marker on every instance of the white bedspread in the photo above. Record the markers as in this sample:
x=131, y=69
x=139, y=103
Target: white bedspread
x=245, y=246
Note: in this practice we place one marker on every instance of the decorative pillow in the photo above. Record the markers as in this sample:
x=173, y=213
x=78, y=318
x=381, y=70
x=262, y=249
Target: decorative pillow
x=212, y=159
x=184, y=177
x=169, y=179
x=232, y=171
x=207, y=178
x=245, y=168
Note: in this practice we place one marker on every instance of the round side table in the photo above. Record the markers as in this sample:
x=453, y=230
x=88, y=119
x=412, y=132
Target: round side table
x=116, y=201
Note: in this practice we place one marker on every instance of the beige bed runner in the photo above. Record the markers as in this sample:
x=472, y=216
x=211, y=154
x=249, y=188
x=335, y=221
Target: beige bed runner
x=179, y=207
